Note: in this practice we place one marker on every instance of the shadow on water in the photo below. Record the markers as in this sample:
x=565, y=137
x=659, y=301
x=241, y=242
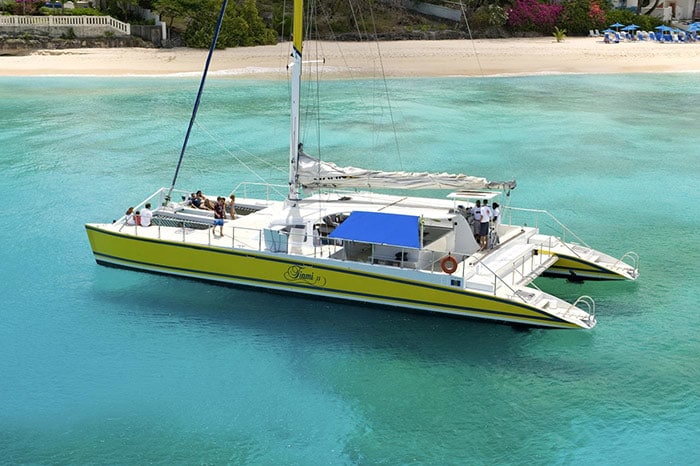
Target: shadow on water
x=619, y=298
x=326, y=324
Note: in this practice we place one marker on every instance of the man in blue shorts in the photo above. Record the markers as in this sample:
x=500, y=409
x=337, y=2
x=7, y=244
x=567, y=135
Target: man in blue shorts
x=219, y=214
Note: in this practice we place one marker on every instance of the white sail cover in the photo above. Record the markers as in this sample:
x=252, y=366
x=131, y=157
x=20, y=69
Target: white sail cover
x=314, y=174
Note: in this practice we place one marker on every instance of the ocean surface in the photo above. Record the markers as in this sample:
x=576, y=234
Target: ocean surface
x=107, y=366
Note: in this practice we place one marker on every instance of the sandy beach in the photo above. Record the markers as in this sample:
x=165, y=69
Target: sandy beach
x=347, y=59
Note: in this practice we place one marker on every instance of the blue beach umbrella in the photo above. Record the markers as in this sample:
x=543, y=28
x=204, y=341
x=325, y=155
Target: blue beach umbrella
x=616, y=25
x=664, y=28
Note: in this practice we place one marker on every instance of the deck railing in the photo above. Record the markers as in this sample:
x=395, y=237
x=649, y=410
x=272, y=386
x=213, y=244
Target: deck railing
x=66, y=21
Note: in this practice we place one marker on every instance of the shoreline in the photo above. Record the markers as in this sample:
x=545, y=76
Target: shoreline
x=443, y=58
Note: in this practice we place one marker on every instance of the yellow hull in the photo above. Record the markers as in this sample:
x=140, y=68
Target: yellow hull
x=317, y=277
x=577, y=268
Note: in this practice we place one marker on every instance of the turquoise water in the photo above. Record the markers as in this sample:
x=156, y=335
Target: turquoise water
x=110, y=366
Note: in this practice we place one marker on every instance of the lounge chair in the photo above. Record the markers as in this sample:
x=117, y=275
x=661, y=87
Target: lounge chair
x=591, y=33
x=597, y=34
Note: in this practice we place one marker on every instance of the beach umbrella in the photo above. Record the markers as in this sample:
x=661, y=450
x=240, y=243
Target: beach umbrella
x=694, y=27
x=616, y=25
x=664, y=28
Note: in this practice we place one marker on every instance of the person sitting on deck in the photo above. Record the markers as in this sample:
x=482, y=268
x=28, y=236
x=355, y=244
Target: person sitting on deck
x=129, y=217
x=206, y=203
x=146, y=215
x=195, y=200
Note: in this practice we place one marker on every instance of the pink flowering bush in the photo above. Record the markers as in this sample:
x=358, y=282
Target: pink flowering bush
x=531, y=15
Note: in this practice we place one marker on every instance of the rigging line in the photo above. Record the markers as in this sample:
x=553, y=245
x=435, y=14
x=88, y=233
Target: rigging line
x=318, y=64
x=199, y=96
x=481, y=69
x=386, y=87
x=383, y=73
x=239, y=160
x=471, y=39
x=284, y=18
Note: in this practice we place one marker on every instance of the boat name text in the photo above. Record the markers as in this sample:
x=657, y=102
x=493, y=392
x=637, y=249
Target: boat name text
x=299, y=274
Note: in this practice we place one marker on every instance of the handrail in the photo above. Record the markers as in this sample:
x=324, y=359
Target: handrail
x=67, y=20
x=588, y=302
x=268, y=187
x=629, y=255
x=565, y=229
x=497, y=278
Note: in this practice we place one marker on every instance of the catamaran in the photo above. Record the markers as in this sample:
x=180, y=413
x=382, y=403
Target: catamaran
x=332, y=235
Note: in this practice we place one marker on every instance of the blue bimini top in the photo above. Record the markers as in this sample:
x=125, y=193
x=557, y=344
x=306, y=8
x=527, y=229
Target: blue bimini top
x=380, y=228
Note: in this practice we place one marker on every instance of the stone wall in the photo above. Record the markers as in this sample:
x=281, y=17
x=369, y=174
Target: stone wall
x=13, y=46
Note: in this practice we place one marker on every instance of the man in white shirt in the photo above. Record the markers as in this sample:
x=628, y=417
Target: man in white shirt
x=146, y=216
x=486, y=215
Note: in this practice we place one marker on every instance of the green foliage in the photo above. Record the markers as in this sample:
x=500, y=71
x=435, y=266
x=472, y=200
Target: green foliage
x=170, y=10
x=645, y=22
x=559, y=34
x=281, y=22
x=120, y=8
x=71, y=11
x=580, y=16
x=487, y=16
x=242, y=26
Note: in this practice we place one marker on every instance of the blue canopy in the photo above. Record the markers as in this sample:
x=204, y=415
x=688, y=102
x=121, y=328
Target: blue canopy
x=380, y=228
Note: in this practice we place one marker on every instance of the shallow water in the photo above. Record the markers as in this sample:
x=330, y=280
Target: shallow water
x=110, y=366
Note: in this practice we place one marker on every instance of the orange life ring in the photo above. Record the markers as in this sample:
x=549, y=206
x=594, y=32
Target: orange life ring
x=448, y=264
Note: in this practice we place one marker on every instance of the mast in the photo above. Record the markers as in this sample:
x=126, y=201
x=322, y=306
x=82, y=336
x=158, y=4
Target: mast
x=219, y=22
x=294, y=144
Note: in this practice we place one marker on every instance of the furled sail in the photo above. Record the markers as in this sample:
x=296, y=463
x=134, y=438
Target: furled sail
x=315, y=174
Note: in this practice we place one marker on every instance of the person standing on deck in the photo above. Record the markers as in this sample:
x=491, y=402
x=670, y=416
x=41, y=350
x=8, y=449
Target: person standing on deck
x=231, y=206
x=476, y=212
x=486, y=215
x=219, y=215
